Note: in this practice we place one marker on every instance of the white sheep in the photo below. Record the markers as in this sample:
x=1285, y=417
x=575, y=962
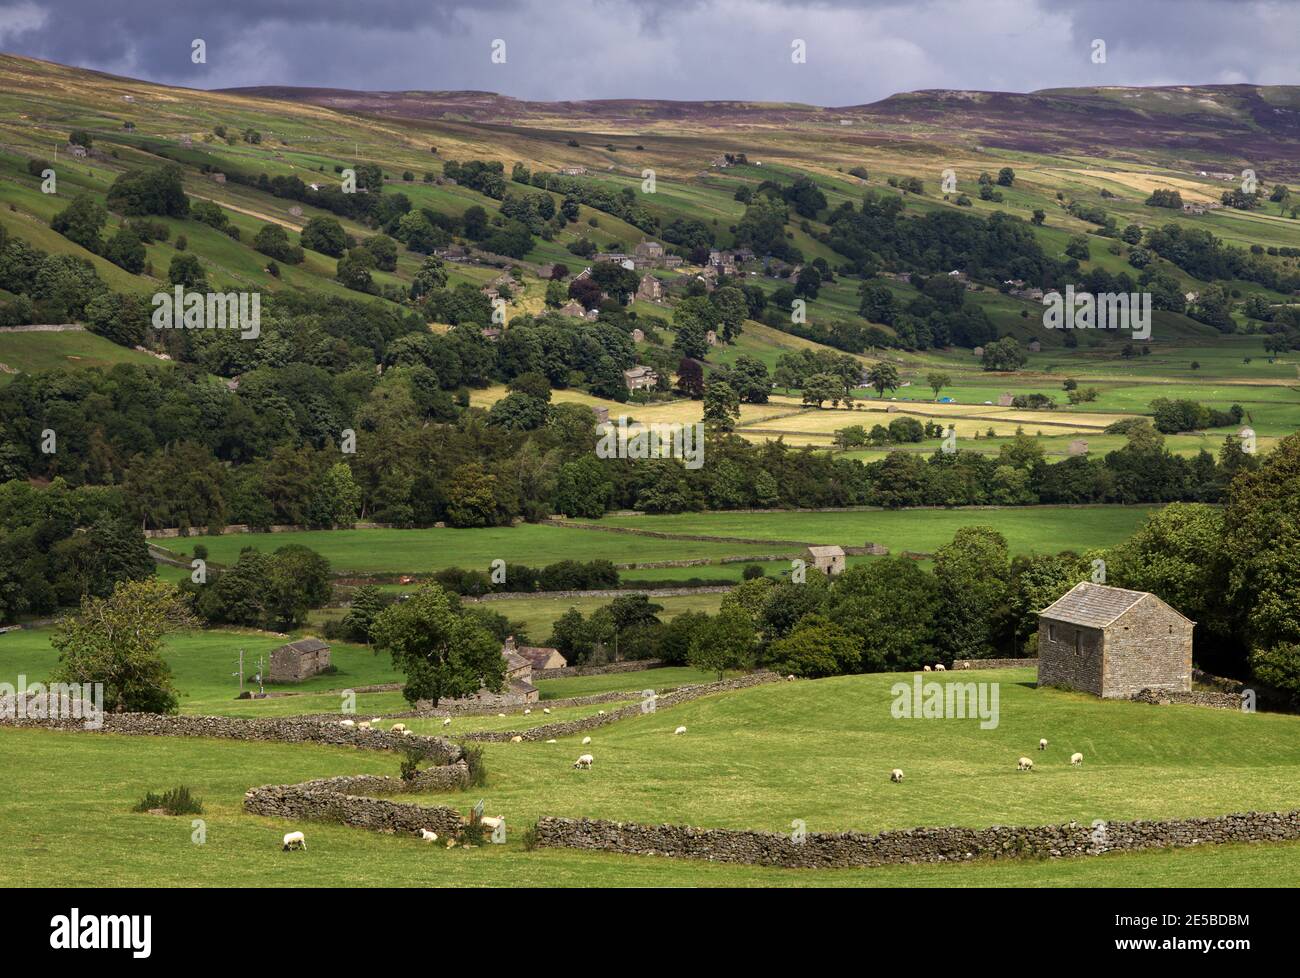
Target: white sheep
x=552, y=741
x=600, y=713
x=546, y=710
x=446, y=721
x=789, y=678
x=584, y=761
x=1076, y=759
x=363, y=725
x=586, y=741
x=680, y=730
x=346, y=723
x=925, y=669
x=408, y=733
x=1042, y=743
x=398, y=728
x=896, y=775
x=428, y=836
x=376, y=721
x=940, y=667
x=294, y=840
x=516, y=739
x=526, y=712
x=1024, y=764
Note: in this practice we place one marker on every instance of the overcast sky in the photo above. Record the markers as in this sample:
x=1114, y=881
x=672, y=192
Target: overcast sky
x=680, y=49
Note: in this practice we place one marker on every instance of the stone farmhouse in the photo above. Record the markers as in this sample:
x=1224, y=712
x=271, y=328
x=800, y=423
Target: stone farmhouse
x=1114, y=643
x=299, y=660
x=650, y=289
x=640, y=378
x=539, y=657
x=828, y=560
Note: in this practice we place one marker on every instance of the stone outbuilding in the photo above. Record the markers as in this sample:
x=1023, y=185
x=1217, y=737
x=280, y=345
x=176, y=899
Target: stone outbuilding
x=1078, y=447
x=828, y=560
x=1113, y=643
x=299, y=660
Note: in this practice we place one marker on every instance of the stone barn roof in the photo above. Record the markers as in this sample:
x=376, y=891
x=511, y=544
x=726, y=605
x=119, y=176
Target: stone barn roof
x=826, y=551
x=305, y=645
x=1097, y=605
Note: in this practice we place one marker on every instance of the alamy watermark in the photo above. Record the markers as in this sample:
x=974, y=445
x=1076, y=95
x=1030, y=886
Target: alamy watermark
x=654, y=440
x=53, y=701
x=1105, y=310
x=921, y=700
x=179, y=309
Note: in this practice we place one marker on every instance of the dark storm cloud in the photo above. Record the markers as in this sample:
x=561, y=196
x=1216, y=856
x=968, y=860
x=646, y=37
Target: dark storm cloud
x=857, y=52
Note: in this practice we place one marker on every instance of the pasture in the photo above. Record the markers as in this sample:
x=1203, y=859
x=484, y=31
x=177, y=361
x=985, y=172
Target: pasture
x=745, y=762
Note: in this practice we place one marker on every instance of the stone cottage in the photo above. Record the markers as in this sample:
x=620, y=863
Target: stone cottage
x=1113, y=643
x=828, y=560
x=640, y=378
x=299, y=660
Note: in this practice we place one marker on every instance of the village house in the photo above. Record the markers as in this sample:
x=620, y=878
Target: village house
x=602, y=414
x=1113, y=643
x=711, y=337
x=618, y=258
x=1035, y=347
x=299, y=660
x=828, y=560
x=491, y=333
x=539, y=657
x=640, y=377
x=78, y=151
x=648, y=253
x=573, y=308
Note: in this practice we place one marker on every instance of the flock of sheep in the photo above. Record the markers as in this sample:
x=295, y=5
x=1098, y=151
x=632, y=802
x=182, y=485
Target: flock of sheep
x=1022, y=764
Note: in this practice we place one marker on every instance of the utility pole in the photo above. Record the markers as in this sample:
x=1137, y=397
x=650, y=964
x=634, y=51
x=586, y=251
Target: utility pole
x=240, y=674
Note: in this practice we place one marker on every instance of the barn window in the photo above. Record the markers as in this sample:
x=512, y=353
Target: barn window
x=1051, y=632
x=1078, y=642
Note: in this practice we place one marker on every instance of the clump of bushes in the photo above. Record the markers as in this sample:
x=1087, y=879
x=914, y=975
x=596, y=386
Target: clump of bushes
x=177, y=801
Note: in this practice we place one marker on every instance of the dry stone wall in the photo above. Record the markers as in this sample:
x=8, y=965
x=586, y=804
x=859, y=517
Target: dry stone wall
x=289, y=730
x=565, y=728
x=962, y=664
x=329, y=800
x=820, y=850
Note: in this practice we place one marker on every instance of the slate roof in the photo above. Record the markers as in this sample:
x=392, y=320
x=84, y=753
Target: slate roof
x=305, y=645
x=826, y=551
x=1093, y=605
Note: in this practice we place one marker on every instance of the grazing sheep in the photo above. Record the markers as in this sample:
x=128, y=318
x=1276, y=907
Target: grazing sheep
x=500, y=714
x=552, y=741
x=408, y=733
x=925, y=669
x=600, y=713
x=896, y=775
x=428, y=836
x=363, y=725
x=446, y=722
x=376, y=721
x=516, y=739
x=346, y=723
x=584, y=761
x=790, y=678
x=680, y=730
x=940, y=667
x=294, y=840
x=1024, y=764
x=1042, y=744
x=398, y=728
x=546, y=709
x=490, y=822
x=586, y=741
x=526, y=712
x=1076, y=759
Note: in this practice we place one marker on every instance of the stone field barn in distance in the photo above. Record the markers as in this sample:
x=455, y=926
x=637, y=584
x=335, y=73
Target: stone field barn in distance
x=1114, y=643
x=299, y=660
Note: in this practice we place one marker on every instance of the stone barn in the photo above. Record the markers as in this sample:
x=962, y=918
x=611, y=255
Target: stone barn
x=828, y=560
x=1113, y=643
x=299, y=660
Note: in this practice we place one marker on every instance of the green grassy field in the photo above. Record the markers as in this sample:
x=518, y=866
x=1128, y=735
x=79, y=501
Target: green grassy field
x=1037, y=529
x=744, y=763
